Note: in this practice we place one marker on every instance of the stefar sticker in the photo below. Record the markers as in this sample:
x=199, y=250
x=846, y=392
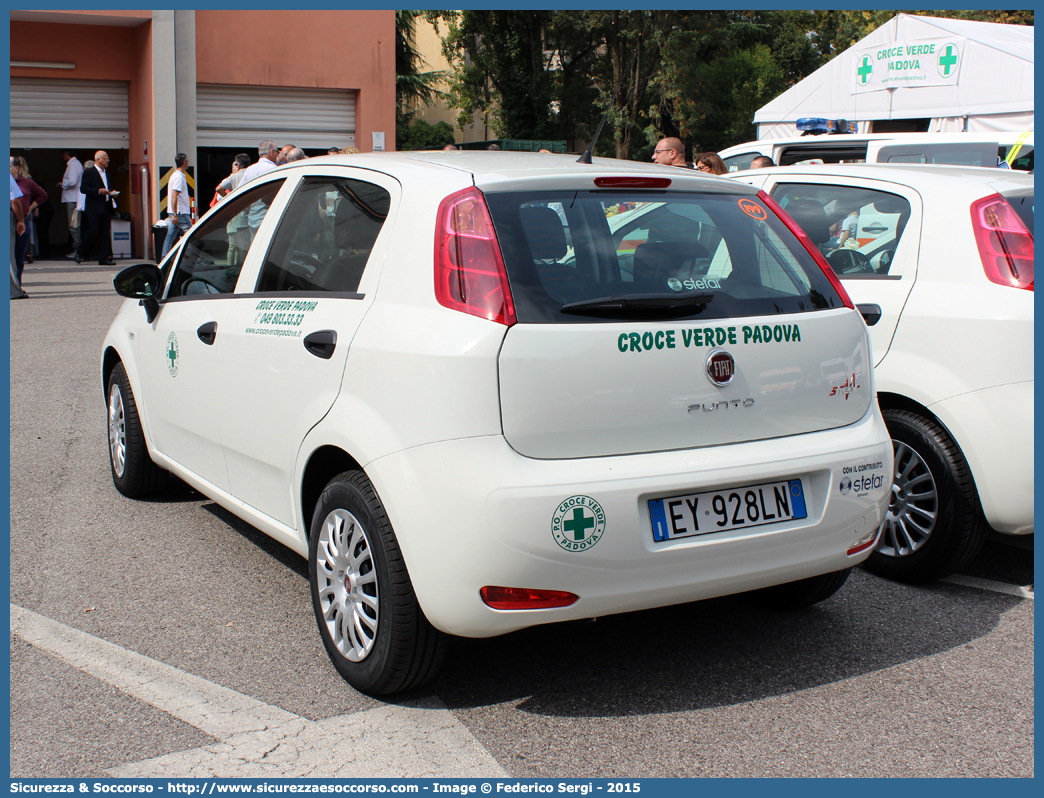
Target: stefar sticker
x=578, y=523
x=753, y=210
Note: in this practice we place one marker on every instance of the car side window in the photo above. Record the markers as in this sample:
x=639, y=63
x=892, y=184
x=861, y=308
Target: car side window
x=325, y=236
x=214, y=253
x=857, y=229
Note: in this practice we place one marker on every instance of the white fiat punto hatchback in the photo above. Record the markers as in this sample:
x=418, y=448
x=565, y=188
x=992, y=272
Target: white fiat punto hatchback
x=485, y=391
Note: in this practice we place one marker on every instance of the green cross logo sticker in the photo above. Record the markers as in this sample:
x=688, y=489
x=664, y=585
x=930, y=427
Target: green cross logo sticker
x=864, y=69
x=949, y=59
x=578, y=523
x=172, y=355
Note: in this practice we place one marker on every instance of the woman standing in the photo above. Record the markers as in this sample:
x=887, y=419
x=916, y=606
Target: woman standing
x=32, y=197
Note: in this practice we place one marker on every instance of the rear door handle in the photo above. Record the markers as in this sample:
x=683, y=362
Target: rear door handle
x=321, y=343
x=871, y=313
x=207, y=332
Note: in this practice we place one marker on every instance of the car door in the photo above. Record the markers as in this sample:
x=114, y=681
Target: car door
x=284, y=345
x=880, y=269
x=178, y=364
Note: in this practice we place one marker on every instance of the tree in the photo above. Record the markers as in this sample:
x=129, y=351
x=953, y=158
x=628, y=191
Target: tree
x=500, y=70
x=412, y=86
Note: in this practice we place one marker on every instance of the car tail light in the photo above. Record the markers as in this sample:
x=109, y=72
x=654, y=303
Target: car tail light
x=469, y=269
x=1005, y=245
x=806, y=242
x=525, y=598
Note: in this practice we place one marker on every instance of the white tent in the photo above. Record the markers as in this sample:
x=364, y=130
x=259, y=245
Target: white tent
x=963, y=75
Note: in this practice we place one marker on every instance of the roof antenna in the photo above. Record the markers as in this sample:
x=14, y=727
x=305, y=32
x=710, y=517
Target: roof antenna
x=586, y=157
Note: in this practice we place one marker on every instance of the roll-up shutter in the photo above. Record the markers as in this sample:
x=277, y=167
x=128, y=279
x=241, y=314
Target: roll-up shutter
x=85, y=114
x=243, y=116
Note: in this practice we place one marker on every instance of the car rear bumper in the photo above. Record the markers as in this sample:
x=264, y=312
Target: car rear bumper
x=994, y=428
x=473, y=512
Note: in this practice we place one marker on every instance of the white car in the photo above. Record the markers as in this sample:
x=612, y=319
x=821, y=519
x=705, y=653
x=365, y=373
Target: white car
x=942, y=264
x=475, y=407
x=970, y=149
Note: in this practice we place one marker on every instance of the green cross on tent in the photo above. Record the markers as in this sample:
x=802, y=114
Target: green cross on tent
x=947, y=60
x=865, y=69
x=578, y=525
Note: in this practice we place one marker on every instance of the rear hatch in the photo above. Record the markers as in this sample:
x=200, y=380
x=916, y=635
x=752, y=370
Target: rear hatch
x=657, y=319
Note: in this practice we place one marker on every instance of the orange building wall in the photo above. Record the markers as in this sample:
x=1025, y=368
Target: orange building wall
x=111, y=58
x=316, y=49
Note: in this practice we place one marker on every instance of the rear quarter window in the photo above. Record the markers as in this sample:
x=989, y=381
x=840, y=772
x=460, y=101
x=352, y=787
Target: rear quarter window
x=858, y=230
x=571, y=247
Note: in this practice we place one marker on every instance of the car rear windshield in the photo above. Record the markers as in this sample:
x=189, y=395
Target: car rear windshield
x=688, y=255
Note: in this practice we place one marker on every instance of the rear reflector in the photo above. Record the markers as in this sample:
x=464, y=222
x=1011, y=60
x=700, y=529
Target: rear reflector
x=806, y=242
x=469, y=269
x=1005, y=245
x=632, y=182
x=864, y=543
x=524, y=598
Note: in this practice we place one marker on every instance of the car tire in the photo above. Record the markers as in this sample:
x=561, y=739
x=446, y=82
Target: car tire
x=802, y=593
x=934, y=524
x=134, y=473
x=371, y=624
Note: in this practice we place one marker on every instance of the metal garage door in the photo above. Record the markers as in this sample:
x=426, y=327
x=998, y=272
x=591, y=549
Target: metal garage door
x=85, y=114
x=243, y=116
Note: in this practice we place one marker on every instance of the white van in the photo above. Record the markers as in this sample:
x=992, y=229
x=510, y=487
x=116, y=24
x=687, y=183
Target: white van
x=962, y=149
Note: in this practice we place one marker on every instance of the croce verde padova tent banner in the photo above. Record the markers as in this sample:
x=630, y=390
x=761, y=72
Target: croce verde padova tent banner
x=908, y=64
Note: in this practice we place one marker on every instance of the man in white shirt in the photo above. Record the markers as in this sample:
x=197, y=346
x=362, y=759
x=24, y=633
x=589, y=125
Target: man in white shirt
x=269, y=153
x=70, y=186
x=179, y=209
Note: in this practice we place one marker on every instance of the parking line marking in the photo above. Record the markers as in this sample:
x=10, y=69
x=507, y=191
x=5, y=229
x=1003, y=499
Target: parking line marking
x=256, y=739
x=988, y=584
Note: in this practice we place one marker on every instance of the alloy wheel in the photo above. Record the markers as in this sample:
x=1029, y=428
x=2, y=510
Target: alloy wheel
x=913, y=507
x=117, y=431
x=347, y=585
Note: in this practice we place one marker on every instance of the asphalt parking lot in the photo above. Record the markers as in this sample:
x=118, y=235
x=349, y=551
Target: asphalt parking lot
x=168, y=638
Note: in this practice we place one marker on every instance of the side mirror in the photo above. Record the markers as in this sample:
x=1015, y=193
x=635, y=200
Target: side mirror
x=143, y=282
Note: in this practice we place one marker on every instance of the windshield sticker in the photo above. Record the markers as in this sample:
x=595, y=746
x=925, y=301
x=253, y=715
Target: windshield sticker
x=706, y=336
x=753, y=210
x=172, y=355
x=281, y=317
x=578, y=523
x=693, y=285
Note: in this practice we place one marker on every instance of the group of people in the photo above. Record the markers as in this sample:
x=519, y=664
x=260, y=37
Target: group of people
x=670, y=151
x=89, y=203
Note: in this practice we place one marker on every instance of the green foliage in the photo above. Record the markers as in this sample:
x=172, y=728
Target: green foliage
x=422, y=136
x=698, y=75
x=412, y=86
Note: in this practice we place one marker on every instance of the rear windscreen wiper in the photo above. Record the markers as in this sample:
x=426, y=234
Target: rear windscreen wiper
x=641, y=306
